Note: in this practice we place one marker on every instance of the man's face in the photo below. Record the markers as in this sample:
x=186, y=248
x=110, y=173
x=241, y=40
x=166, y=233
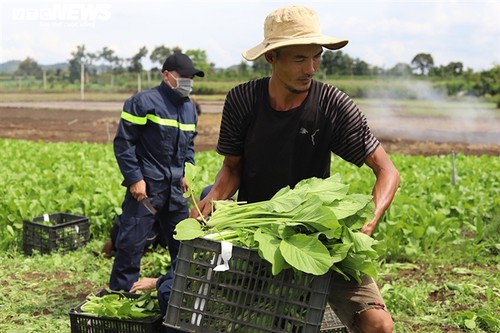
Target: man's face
x=295, y=66
x=170, y=77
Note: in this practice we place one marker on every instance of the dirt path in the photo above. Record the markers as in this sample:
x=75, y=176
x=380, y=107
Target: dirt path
x=97, y=122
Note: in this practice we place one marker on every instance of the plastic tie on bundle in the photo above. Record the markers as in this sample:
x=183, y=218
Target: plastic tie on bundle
x=226, y=254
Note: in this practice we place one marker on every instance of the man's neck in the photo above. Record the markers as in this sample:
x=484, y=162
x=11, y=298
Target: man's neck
x=282, y=98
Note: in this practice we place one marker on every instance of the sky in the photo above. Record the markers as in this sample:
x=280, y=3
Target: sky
x=382, y=33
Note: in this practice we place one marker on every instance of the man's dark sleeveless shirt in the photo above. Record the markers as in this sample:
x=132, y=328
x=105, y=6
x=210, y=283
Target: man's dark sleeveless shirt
x=281, y=148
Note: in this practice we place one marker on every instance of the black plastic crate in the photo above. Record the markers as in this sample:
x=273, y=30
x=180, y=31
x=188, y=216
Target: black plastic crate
x=247, y=298
x=66, y=232
x=331, y=323
x=86, y=323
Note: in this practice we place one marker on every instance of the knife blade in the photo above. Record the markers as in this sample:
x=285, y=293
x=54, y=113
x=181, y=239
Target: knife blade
x=148, y=205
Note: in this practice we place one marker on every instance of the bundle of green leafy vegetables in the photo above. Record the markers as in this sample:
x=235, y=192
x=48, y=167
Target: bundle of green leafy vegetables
x=117, y=305
x=313, y=227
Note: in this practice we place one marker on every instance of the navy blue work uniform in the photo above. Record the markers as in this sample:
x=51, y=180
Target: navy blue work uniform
x=154, y=139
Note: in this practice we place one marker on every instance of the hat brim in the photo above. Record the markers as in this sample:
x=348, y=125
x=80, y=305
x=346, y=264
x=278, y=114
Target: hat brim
x=190, y=72
x=325, y=41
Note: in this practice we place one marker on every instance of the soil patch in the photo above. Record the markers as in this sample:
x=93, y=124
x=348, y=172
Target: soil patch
x=97, y=123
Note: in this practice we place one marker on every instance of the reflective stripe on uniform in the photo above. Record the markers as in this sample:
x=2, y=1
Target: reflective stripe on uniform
x=157, y=120
x=134, y=119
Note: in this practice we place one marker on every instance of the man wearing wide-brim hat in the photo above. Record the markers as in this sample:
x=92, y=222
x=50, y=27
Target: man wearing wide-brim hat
x=278, y=130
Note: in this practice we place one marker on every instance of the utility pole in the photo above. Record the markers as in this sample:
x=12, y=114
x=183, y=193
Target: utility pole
x=82, y=81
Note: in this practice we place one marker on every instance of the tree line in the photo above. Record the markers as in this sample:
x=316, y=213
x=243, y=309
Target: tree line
x=458, y=79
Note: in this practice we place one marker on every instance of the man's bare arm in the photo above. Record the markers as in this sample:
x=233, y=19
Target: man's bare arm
x=226, y=184
x=385, y=187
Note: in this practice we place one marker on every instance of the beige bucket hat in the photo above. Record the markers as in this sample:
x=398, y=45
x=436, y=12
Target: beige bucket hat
x=293, y=25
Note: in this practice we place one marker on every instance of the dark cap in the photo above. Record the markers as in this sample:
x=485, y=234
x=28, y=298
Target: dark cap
x=182, y=64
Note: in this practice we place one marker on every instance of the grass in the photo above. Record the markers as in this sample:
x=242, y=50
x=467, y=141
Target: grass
x=39, y=290
x=436, y=295
x=433, y=295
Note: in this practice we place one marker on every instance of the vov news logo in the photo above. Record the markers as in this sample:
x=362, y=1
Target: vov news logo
x=64, y=15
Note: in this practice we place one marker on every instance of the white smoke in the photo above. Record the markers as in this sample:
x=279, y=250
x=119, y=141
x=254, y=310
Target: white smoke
x=430, y=115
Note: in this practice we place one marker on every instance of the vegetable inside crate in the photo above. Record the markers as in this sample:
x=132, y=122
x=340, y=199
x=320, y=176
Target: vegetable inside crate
x=58, y=231
x=89, y=323
x=245, y=298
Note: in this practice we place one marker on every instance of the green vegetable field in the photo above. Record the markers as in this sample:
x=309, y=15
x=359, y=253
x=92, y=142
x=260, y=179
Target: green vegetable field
x=438, y=244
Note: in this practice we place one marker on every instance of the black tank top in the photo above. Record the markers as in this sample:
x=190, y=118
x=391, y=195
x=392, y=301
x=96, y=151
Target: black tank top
x=283, y=147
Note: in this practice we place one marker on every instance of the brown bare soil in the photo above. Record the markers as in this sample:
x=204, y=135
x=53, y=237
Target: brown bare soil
x=97, y=122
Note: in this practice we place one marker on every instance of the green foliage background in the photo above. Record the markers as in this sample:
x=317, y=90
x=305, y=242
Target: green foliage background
x=440, y=241
x=429, y=213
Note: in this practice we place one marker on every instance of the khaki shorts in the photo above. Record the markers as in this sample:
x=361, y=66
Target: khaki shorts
x=348, y=298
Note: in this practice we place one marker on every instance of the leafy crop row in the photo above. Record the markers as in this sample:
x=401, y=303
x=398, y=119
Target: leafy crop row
x=39, y=178
x=440, y=240
x=429, y=212
x=77, y=178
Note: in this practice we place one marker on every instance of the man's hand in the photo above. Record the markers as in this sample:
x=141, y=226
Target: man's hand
x=205, y=206
x=138, y=190
x=185, y=186
x=144, y=284
x=369, y=228
x=226, y=184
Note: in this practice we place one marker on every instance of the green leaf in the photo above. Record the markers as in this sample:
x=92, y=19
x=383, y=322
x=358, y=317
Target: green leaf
x=282, y=231
x=269, y=249
x=318, y=217
x=341, y=272
x=339, y=251
x=10, y=230
x=332, y=233
x=356, y=266
x=326, y=190
x=188, y=229
x=150, y=305
x=470, y=323
x=124, y=310
x=360, y=242
x=284, y=201
x=350, y=205
x=190, y=176
x=307, y=254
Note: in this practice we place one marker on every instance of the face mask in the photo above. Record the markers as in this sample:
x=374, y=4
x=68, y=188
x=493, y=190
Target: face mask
x=184, y=86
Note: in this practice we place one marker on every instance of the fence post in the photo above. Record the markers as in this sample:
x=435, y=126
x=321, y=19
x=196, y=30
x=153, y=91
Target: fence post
x=82, y=81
